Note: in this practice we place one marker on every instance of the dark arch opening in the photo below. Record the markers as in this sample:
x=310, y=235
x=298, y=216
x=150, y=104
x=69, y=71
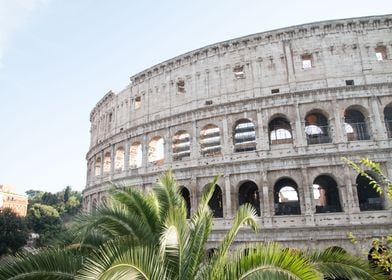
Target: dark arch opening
x=326, y=195
x=388, y=120
x=369, y=199
x=187, y=197
x=216, y=203
x=249, y=193
x=355, y=125
x=317, y=128
x=244, y=136
x=279, y=131
x=286, y=197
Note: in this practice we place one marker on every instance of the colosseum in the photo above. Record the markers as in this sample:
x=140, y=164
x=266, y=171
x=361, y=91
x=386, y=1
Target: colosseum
x=273, y=114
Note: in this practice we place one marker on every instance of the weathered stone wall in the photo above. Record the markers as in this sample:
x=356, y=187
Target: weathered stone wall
x=260, y=78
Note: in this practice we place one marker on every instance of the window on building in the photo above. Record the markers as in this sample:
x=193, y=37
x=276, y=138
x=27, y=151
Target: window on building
x=381, y=53
x=119, y=158
x=244, y=136
x=107, y=162
x=138, y=102
x=216, y=203
x=349, y=82
x=388, y=119
x=97, y=166
x=286, y=198
x=280, y=131
x=210, y=141
x=110, y=117
x=306, y=61
x=181, y=87
x=249, y=193
x=187, y=198
x=355, y=125
x=156, y=152
x=239, y=72
x=316, y=128
x=181, y=145
x=326, y=195
x=135, y=155
x=369, y=199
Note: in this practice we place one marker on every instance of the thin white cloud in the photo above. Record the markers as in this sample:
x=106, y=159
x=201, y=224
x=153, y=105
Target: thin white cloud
x=14, y=15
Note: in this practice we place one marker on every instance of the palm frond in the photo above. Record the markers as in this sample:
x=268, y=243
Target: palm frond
x=339, y=264
x=269, y=261
x=48, y=264
x=123, y=259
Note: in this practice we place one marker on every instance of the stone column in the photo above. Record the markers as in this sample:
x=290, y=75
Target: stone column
x=267, y=209
x=352, y=197
x=126, y=155
x=307, y=206
x=195, y=148
x=300, y=140
x=376, y=125
x=339, y=127
x=262, y=140
x=145, y=153
x=112, y=161
x=228, y=210
x=167, y=141
x=225, y=139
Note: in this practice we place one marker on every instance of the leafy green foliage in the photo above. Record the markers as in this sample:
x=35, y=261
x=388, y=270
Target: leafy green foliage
x=381, y=253
x=13, y=231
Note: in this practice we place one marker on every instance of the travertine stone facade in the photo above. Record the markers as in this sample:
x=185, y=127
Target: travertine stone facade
x=10, y=199
x=272, y=113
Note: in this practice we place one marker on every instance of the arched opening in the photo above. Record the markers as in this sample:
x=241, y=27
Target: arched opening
x=210, y=140
x=286, y=197
x=107, y=162
x=249, y=193
x=216, y=203
x=369, y=199
x=326, y=195
x=388, y=120
x=244, y=136
x=187, y=198
x=181, y=145
x=355, y=125
x=279, y=130
x=135, y=155
x=97, y=168
x=316, y=128
x=156, y=153
x=119, y=158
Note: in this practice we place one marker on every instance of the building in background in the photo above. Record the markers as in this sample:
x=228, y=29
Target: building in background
x=10, y=199
x=272, y=113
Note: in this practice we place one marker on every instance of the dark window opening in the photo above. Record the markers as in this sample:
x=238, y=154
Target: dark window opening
x=249, y=193
x=181, y=87
x=138, y=102
x=187, y=198
x=326, y=195
x=355, y=126
x=280, y=131
x=244, y=136
x=286, y=199
x=181, y=145
x=239, y=72
x=388, y=120
x=317, y=129
x=381, y=53
x=349, y=82
x=369, y=199
x=306, y=61
x=275, y=90
x=210, y=140
x=216, y=203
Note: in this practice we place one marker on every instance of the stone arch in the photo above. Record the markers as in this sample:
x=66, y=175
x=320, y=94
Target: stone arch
x=368, y=198
x=97, y=167
x=248, y=192
x=135, y=155
x=119, y=158
x=279, y=130
x=244, y=136
x=286, y=197
x=216, y=202
x=317, y=128
x=210, y=140
x=187, y=198
x=156, y=150
x=388, y=119
x=355, y=123
x=181, y=145
x=326, y=194
x=107, y=162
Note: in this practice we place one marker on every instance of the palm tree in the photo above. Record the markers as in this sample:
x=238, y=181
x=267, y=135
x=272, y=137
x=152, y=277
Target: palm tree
x=138, y=236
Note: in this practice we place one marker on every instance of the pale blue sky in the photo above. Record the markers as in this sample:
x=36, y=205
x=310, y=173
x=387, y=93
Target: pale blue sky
x=59, y=57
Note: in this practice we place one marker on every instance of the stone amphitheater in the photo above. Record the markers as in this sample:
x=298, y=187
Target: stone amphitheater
x=272, y=113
